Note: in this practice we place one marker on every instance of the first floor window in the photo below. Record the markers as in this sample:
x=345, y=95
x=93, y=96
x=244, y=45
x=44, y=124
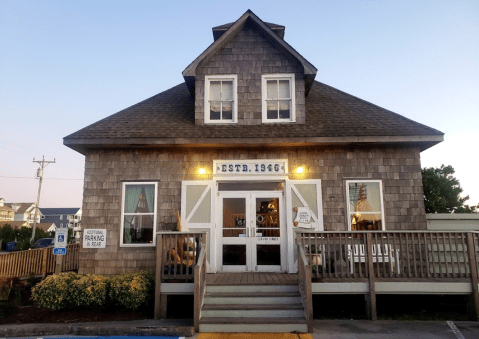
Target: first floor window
x=278, y=97
x=138, y=214
x=221, y=99
x=365, y=205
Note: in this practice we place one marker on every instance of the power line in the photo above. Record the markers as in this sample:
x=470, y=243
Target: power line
x=4, y=176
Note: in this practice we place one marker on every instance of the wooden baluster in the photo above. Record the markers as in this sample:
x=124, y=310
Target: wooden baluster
x=318, y=256
x=444, y=250
x=421, y=266
x=414, y=255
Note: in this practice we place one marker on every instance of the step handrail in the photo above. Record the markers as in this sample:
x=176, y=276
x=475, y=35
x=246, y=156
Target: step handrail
x=304, y=278
x=200, y=285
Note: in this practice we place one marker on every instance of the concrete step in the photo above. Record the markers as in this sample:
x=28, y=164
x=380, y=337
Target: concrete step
x=253, y=311
x=252, y=298
x=251, y=288
x=263, y=325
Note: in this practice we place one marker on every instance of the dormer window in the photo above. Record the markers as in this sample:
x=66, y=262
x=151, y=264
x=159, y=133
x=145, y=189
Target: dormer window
x=278, y=98
x=221, y=99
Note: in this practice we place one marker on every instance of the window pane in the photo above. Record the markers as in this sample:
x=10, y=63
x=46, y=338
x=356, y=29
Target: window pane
x=284, y=110
x=215, y=92
x=227, y=93
x=364, y=197
x=366, y=222
x=138, y=229
x=272, y=89
x=234, y=217
x=227, y=110
x=234, y=254
x=267, y=217
x=284, y=92
x=272, y=110
x=268, y=255
x=139, y=198
x=215, y=113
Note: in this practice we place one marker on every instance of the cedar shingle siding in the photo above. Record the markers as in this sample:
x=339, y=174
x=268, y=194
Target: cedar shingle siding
x=399, y=169
x=249, y=55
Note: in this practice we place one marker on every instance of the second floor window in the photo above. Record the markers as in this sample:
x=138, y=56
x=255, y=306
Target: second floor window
x=221, y=99
x=278, y=97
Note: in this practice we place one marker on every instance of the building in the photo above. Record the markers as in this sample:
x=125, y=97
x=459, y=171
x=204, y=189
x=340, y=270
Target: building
x=64, y=217
x=24, y=211
x=6, y=213
x=250, y=149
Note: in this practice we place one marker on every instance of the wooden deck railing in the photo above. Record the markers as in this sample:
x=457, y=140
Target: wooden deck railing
x=304, y=279
x=394, y=254
x=200, y=285
x=178, y=254
x=180, y=257
x=37, y=262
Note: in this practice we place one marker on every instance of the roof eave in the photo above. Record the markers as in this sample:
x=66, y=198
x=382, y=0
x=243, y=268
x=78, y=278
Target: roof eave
x=423, y=142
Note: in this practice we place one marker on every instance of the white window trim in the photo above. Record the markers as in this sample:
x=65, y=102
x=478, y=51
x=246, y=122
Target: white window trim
x=123, y=214
x=209, y=78
x=383, y=220
x=288, y=76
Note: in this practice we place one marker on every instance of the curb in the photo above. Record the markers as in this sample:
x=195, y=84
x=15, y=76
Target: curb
x=135, y=328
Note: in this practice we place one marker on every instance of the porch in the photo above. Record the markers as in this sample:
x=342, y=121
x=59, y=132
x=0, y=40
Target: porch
x=367, y=262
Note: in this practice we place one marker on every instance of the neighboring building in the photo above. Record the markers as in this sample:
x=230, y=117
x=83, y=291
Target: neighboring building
x=6, y=213
x=24, y=211
x=453, y=221
x=246, y=139
x=15, y=224
x=48, y=227
x=64, y=217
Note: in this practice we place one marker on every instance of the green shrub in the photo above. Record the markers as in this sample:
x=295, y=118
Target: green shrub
x=131, y=290
x=70, y=290
x=89, y=290
x=55, y=292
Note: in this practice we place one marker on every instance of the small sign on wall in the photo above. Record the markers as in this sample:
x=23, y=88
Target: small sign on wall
x=303, y=217
x=94, y=238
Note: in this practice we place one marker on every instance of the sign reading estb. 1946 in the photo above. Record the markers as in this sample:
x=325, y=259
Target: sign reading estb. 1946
x=94, y=238
x=251, y=167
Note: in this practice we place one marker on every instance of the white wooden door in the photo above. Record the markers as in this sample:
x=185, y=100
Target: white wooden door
x=197, y=213
x=302, y=193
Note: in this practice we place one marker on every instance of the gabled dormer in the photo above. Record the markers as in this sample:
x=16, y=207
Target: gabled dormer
x=249, y=76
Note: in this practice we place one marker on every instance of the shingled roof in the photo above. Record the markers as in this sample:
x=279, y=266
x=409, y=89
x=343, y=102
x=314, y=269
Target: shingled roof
x=332, y=117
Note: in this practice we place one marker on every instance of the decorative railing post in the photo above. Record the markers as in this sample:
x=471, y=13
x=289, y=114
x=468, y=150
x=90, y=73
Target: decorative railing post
x=371, y=302
x=471, y=249
x=158, y=275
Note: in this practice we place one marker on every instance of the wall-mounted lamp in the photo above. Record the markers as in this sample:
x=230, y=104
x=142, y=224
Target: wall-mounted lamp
x=299, y=170
x=202, y=171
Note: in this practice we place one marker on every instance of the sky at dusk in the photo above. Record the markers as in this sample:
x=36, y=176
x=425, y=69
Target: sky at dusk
x=65, y=65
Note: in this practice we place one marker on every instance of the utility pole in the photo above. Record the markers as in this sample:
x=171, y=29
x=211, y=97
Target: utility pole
x=42, y=164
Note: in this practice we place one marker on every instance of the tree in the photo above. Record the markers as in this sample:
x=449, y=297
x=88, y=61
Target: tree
x=442, y=191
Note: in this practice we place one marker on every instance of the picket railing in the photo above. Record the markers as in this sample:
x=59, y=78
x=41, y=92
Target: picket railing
x=394, y=254
x=37, y=262
x=178, y=254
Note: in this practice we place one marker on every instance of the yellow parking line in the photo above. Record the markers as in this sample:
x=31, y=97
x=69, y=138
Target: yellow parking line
x=254, y=336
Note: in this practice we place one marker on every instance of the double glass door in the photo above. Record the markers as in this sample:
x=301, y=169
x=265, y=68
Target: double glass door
x=251, y=228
